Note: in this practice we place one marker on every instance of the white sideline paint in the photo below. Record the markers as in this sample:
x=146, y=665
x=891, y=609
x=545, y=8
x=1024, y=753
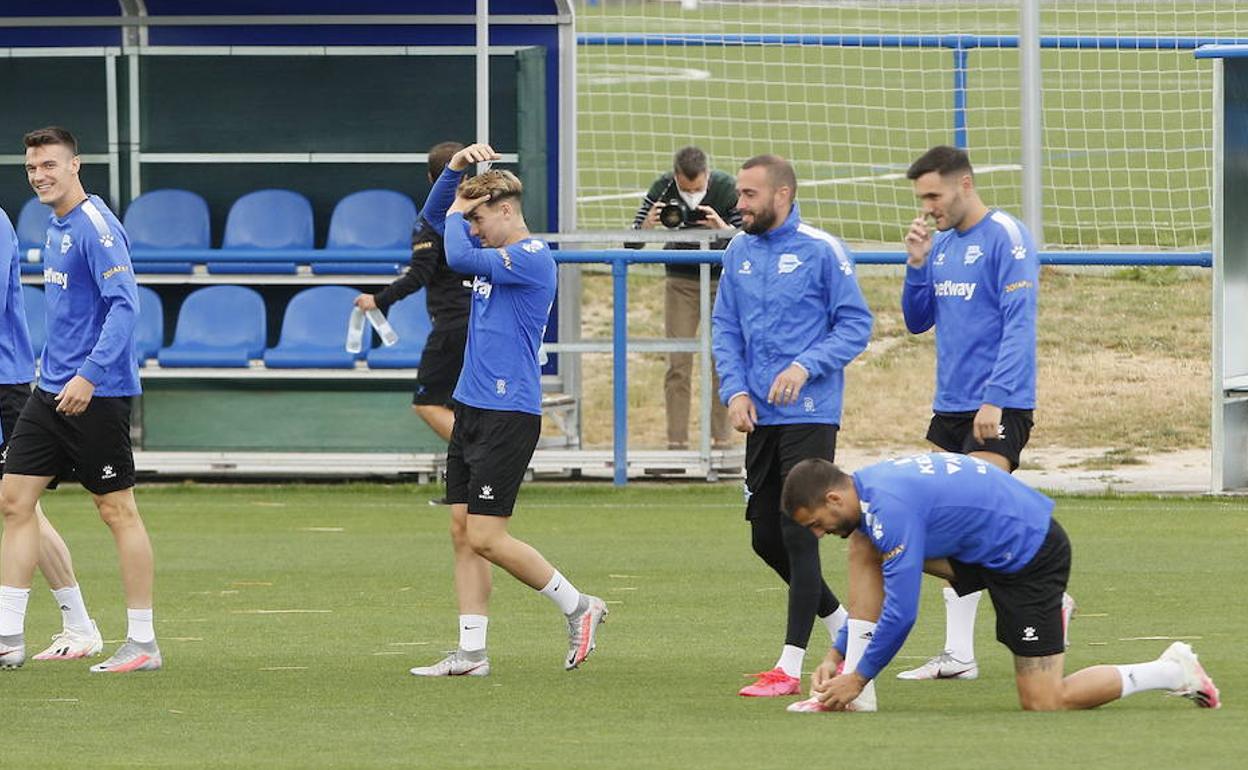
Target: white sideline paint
x=869, y=178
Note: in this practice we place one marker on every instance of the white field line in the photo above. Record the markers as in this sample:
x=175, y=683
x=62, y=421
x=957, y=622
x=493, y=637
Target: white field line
x=322, y=529
x=281, y=612
x=865, y=179
x=284, y=668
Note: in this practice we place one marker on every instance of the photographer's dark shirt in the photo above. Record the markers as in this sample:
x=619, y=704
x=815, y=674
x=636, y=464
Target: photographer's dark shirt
x=721, y=195
x=449, y=294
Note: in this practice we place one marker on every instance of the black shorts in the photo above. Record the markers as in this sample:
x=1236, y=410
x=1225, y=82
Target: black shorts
x=488, y=456
x=13, y=399
x=771, y=451
x=1028, y=602
x=439, y=366
x=93, y=447
x=954, y=432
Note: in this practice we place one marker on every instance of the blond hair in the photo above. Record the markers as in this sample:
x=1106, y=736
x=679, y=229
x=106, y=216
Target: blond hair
x=495, y=184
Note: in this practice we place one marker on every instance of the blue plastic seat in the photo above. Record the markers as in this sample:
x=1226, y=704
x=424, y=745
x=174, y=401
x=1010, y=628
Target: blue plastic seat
x=372, y=219
x=411, y=322
x=314, y=331
x=218, y=326
x=168, y=219
x=269, y=219
x=149, y=333
x=36, y=320
x=32, y=226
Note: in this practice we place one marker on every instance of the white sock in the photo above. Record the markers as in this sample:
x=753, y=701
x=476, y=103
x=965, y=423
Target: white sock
x=13, y=610
x=791, y=660
x=960, y=623
x=472, y=632
x=835, y=621
x=860, y=633
x=561, y=591
x=1154, y=675
x=139, y=626
x=73, y=608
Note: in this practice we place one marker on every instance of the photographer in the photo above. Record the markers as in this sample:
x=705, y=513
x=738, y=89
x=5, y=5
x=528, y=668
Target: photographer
x=691, y=195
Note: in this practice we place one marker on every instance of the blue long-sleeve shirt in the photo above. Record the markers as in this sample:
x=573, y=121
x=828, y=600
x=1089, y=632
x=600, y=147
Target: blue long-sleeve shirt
x=979, y=289
x=512, y=291
x=788, y=296
x=92, y=302
x=941, y=505
x=440, y=198
x=17, y=360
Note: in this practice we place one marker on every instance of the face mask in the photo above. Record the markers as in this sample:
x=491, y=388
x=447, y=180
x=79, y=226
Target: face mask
x=692, y=199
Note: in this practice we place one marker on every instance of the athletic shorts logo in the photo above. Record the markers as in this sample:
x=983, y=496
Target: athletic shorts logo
x=1029, y=634
x=487, y=493
x=108, y=473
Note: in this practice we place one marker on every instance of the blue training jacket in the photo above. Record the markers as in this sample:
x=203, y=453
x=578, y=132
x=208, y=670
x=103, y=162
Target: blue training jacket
x=788, y=296
x=979, y=289
x=17, y=360
x=92, y=302
x=934, y=506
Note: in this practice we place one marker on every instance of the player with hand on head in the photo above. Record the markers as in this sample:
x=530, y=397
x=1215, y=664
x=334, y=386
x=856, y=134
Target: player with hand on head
x=76, y=424
x=498, y=409
x=965, y=520
x=976, y=281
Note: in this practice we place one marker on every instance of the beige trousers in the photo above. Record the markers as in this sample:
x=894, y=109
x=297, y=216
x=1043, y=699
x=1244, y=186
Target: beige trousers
x=683, y=313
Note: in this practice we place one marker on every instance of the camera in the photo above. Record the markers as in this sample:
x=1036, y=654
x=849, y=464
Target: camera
x=675, y=212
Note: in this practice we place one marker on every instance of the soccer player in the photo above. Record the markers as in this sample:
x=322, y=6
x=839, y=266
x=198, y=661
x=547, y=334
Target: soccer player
x=448, y=299
x=79, y=637
x=498, y=410
x=788, y=319
x=967, y=521
x=77, y=421
x=979, y=291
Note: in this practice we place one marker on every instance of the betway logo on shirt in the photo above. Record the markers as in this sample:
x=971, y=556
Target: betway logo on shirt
x=955, y=289
x=56, y=277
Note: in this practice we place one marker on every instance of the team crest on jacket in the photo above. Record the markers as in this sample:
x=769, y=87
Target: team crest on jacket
x=745, y=267
x=973, y=253
x=788, y=263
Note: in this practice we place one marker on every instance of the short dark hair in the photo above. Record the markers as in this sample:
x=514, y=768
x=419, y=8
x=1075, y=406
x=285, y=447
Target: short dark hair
x=439, y=155
x=690, y=162
x=42, y=137
x=944, y=160
x=808, y=482
x=780, y=172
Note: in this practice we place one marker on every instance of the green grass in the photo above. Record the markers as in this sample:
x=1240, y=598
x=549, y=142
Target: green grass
x=1127, y=134
x=692, y=610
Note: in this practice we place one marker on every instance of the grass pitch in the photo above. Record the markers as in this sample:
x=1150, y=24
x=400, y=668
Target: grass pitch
x=289, y=616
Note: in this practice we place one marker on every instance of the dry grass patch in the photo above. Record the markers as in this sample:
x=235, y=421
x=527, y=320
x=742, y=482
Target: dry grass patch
x=1123, y=359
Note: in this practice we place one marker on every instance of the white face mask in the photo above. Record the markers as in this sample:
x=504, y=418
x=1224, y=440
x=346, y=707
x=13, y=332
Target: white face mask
x=692, y=199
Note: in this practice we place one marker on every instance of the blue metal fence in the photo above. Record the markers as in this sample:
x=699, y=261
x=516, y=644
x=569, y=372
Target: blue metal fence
x=622, y=258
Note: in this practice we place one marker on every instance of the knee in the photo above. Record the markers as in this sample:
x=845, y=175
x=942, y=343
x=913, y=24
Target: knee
x=483, y=543
x=1041, y=702
x=118, y=513
x=14, y=508
x=459, y=533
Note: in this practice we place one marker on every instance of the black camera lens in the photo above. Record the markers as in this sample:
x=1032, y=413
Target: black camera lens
x=672, y=215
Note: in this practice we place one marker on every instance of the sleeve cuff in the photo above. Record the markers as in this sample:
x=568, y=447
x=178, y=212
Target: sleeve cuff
x=916, y=276
x=91, y=372
x=801, y=366
x=996, y=395
x=728, y=400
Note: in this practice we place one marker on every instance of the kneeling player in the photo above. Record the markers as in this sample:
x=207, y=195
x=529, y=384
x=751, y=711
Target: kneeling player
x=498, y=409
x=962, y=519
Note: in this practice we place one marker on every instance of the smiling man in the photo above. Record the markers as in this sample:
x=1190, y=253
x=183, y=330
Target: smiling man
x=498, y=408
x=965, y=520
x=76, y=424
x=788, y=319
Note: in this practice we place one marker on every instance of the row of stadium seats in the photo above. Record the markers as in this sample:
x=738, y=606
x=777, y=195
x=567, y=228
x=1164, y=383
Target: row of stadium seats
x=266, y=232
x=224, y=326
